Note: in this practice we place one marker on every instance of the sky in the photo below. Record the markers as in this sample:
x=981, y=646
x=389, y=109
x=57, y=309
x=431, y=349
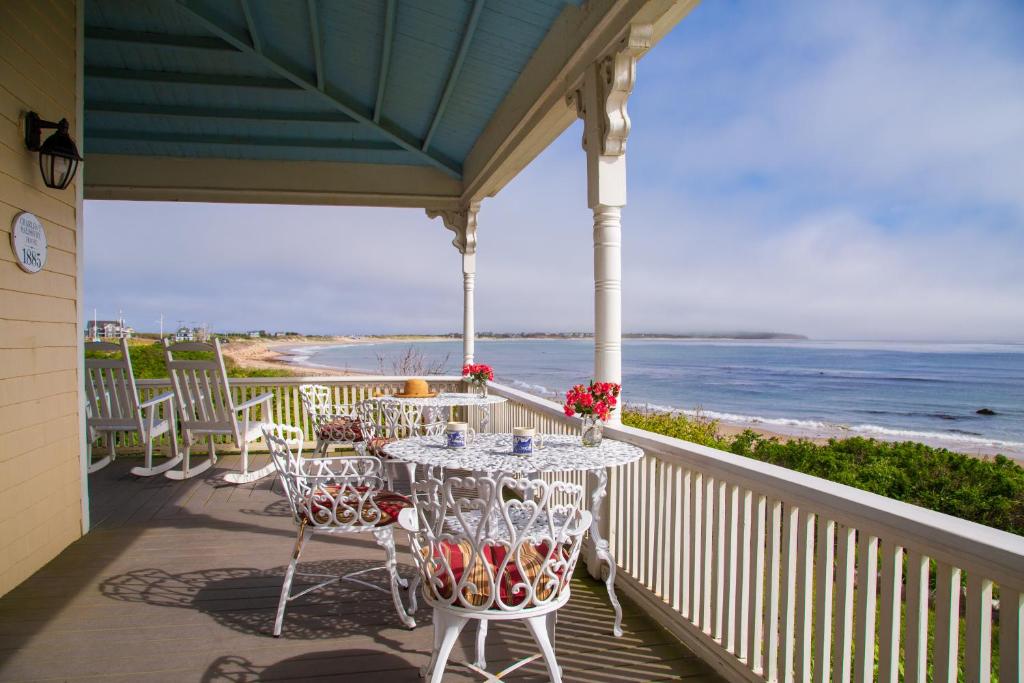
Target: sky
x=839, y=170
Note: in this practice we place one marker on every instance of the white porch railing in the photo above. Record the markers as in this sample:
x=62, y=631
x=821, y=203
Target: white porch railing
x=769, y=574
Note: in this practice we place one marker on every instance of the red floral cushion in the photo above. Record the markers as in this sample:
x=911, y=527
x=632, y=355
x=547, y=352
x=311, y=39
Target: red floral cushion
x=340, y=429
x=375, y=446
x=322, y=504
x=531, y=559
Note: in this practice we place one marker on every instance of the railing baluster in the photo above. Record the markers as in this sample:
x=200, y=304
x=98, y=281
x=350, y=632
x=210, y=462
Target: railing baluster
x=889, y=627
x=742, y=616
x=787, y=620
x=947, y=622
x=823, y=599
x=721, y=559
x=685, y=561
x=805, y=597
x=771, y=626
x=867, y=587
x=843, y=630
x=915, y=642
x=1011, y=634
x=731, y=568
x=708, y=553
x=757, y=587
x=979, y=628
x=696, y=548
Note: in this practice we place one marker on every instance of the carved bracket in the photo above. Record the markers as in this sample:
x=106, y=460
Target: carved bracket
x=607, y=90
x=463, y=223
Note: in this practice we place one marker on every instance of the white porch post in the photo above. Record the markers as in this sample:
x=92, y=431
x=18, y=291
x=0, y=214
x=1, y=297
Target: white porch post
x=463, y=223
x=601, y=103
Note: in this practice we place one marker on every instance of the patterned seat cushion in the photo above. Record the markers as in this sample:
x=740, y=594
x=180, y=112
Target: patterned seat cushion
x=347, y=429
x=531, y=559
x=388, y=503
x=375, y=446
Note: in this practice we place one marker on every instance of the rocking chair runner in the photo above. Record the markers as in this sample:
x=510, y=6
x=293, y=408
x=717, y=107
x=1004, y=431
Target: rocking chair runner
x=508, y=554
x=338, y=495
x=113, y=406
x=207, y=408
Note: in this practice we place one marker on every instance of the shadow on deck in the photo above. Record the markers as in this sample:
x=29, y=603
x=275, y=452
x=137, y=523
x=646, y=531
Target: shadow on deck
x=178, y=581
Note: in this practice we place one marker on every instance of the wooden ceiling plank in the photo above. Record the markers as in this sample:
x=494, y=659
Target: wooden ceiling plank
x=337, y=100
x=453, y=75
x=385, y=58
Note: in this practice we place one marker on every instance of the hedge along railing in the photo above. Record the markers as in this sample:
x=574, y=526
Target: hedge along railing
x=769, y=574
x=287, y=405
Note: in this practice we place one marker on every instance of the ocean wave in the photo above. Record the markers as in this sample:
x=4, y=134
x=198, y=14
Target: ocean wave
x=538, y=389
x=952, y=437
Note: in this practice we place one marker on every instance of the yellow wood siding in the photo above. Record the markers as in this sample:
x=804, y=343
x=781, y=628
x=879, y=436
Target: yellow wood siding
x=40, y=467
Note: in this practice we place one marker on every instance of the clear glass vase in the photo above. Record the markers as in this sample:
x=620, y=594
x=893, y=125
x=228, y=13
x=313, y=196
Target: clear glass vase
x=593, y=431
x=480, y=388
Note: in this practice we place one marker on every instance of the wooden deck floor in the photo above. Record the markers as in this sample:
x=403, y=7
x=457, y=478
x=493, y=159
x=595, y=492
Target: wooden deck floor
x=178, y=581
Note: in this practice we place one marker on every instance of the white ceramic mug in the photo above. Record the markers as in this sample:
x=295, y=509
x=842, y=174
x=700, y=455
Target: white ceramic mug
x=525, y=440
x=458, y=435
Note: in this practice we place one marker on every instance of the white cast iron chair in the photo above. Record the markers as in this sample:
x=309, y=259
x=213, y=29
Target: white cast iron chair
x=383, y=420
x=333, y=423
x=508, y=554
x=339, y=495
x=207, y=408
x=113, y=407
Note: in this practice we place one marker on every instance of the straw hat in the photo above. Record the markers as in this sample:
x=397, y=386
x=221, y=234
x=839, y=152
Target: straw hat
x=416, y=388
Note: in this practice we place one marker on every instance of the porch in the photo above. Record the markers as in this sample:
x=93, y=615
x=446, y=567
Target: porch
x=178, y=581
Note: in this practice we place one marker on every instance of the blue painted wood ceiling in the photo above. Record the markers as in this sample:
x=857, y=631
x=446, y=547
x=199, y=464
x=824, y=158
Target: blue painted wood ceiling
x=410, y=82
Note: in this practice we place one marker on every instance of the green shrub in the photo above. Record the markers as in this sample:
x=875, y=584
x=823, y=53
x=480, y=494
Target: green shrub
x=989, y=492
x=148, y=363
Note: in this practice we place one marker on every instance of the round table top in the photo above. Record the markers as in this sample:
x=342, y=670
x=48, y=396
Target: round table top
x=493, y=453
x=446, y=399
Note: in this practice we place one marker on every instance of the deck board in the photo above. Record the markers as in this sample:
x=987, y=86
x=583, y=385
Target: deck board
x=178, y=581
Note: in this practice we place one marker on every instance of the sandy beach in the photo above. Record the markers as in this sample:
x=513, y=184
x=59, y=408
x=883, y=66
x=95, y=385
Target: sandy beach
x=274, y=354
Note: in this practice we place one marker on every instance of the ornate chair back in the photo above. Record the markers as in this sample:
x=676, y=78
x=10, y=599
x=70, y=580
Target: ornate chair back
x=511, y=549
x=332, y=422
x=201, y=388
x=342, y=494
x=110, y=389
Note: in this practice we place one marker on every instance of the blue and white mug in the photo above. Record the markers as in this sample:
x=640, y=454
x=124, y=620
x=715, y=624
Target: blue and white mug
x=458, y=435
x=525, y=440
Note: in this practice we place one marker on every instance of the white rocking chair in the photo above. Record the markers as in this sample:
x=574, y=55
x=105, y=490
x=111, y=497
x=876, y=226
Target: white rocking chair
x=113, y=406
x=490, y=558
x=207, y=409
x=338, y=495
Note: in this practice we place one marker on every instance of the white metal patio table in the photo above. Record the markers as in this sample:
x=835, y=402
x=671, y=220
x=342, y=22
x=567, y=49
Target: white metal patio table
x=492, y=454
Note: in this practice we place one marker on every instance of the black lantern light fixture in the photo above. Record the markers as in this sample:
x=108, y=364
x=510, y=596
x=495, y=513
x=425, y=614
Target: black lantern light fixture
x=58, y=156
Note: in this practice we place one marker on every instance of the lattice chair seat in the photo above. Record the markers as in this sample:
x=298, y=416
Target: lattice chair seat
x=333, y=504
x=337, y=495
x=457, y=563
x=340, y=429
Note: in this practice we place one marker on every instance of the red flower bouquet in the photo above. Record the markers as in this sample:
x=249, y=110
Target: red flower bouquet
x=597, y=400
x=478, y=374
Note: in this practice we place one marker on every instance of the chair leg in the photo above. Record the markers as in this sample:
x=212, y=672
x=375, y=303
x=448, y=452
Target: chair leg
x=481, y=644
x=386, y=539
x=149, y=453
x=289, y=575
x=539, y=630
x=447, y=628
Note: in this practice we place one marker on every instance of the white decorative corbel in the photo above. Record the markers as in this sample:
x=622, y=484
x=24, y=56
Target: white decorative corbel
x=462, y=222
x=606, y=89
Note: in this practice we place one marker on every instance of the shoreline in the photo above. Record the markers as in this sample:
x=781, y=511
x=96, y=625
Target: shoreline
x=285, y=354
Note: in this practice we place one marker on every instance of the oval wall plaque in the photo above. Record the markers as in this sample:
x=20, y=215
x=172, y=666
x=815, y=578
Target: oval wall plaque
x=28, y=240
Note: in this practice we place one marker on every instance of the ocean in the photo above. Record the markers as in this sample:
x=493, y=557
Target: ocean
x=928, y=392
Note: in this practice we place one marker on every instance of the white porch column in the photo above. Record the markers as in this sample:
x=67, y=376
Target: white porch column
x=463, y=223
x=601, y=103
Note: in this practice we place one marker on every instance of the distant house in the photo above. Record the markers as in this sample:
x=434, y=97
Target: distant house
x=255, y=334
x=184, y=334
x=107, y=329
